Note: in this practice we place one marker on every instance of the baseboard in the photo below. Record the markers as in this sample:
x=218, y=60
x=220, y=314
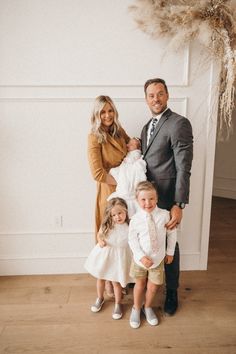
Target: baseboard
x=44, y=253
x=224, y=193
x=224, y=187
x=36, y=266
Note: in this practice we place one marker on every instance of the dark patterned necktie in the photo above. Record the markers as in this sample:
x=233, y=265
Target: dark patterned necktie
x=153, y=126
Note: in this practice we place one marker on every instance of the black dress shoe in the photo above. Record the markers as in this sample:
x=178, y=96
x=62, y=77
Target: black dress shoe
x=171, y=303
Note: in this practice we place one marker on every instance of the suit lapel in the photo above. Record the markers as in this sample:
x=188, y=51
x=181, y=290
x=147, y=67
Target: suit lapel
x=162, y=120
x=144, y=137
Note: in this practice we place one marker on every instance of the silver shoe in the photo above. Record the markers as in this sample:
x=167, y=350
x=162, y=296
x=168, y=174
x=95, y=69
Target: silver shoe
x=150, y=316
x=98, y=305
x=117, y=313
x=134, y=320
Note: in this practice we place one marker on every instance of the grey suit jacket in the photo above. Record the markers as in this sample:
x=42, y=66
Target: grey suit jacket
x=169, y=158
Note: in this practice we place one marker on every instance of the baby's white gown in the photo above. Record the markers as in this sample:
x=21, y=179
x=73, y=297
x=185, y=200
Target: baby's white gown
x=128, y=174
x=112, y=262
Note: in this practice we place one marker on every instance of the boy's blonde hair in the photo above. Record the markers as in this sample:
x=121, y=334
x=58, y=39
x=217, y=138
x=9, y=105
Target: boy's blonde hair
x=145, y=186
x=107, y=223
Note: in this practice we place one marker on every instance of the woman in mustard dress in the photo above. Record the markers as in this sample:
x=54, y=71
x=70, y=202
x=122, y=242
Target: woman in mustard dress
x=106, y=149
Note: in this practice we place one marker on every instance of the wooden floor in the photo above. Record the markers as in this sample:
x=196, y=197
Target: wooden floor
x=50, y=314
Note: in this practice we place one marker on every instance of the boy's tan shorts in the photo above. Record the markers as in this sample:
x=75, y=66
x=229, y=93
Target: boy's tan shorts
x=155, y=275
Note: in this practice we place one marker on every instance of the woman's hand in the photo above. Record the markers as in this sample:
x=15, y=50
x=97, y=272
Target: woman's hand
x=110, y=180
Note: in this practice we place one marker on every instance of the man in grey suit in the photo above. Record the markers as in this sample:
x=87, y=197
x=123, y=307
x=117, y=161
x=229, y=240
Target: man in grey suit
x=167, y=147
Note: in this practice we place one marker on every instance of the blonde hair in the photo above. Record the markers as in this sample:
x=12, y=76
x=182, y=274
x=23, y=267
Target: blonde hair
x=108, y=223
x=96, y=122
x=145, y=186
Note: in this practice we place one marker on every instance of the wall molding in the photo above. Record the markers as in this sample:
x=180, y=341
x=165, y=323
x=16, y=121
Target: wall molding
x=36, y=266
x=80, y=99
x=224, y=193
x=209, y=166
x=69, y=264
x=46, y=233
x=28, y=257
x=68, y=86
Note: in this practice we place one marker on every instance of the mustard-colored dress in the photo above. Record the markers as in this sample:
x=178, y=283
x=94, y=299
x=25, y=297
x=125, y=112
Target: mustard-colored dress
x=103, y=157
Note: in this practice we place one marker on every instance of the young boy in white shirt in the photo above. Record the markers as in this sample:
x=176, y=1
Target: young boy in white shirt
x=152, y=245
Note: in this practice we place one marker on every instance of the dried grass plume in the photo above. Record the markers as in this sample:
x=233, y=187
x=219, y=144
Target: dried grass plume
x=212, y=22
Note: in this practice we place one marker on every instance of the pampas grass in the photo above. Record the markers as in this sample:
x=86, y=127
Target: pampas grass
x=213, y=23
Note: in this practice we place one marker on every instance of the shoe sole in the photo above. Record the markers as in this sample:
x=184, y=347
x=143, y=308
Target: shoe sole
x=152, y=324
x=117, y=316
x=134, y=325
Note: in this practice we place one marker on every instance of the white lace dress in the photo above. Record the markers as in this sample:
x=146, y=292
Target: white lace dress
x=112, y=262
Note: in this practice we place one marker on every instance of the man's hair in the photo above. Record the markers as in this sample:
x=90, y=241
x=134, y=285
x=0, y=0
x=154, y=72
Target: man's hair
x=144, y=186
x=155, y=81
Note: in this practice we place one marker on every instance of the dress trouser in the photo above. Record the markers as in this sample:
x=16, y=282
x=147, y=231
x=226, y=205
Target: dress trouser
x=172, y=271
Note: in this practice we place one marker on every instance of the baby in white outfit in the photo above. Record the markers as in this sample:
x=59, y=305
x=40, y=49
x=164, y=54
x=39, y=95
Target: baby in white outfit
x=128, y=174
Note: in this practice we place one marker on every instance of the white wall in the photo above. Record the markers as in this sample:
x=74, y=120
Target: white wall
x=225, y=165
x=225, y=161
x=56, y=57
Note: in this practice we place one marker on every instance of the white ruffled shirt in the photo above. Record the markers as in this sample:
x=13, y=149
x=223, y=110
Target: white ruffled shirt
x=128, y=174
x=139, y=240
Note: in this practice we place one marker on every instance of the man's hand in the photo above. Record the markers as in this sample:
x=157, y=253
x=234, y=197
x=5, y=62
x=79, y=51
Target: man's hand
x=168, y=259
x=146, y=261
x=176, y=214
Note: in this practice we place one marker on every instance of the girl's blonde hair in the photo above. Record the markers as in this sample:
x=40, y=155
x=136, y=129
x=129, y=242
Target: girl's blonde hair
x=108, y=223
x=97, y=128
x=145, y=186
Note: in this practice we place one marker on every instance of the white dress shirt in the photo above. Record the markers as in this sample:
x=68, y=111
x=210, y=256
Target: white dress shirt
x=158, y=117
x=139, y=240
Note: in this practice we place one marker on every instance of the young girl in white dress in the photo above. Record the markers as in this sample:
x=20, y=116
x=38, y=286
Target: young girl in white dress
x=110, y=259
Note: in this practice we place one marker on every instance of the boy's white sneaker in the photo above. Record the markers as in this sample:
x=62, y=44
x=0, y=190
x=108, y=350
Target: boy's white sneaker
x=150, y=316
x=134, y=320
x=97, y=305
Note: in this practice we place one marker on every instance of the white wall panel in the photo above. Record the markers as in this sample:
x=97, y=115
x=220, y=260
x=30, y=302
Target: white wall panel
x=80, y=42
x=45, y=166
x=57, y=57
x=225, y=165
